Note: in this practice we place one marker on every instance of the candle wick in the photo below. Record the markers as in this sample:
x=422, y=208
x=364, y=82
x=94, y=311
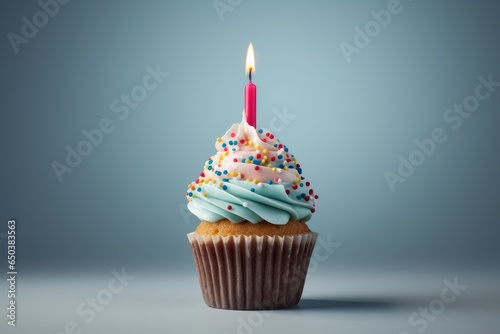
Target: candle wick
x=250, y=74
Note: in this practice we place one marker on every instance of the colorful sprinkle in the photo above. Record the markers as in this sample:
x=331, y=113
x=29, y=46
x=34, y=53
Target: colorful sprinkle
x=277, y=160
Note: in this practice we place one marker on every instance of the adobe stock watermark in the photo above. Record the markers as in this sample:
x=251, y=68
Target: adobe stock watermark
x=323, y=250
x=121, y=108
x=88, y=309
x=223, y=6
x=453, y=117
x=421, y=319
x=280, y=120
x=31, y=26
x=373, y=28
x=187, y=216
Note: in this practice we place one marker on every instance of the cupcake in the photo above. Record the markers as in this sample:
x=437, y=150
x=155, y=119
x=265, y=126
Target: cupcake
x=252, y=247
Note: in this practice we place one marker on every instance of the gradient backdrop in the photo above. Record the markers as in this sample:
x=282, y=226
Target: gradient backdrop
x=348, y=118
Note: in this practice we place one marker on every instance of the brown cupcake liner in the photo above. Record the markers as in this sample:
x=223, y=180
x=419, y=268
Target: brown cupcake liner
x=252, y=272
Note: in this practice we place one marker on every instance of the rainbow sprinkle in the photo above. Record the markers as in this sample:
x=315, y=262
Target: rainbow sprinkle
x=264, y=160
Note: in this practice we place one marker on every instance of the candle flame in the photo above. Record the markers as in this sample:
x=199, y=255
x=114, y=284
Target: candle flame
x=250, y=59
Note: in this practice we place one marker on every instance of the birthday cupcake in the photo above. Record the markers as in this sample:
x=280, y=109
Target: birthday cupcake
x=252, y=247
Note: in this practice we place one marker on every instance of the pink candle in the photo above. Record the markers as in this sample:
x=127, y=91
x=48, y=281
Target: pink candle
x=250, y=90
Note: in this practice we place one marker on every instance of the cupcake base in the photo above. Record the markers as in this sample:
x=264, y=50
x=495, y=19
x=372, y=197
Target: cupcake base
x=252, y=272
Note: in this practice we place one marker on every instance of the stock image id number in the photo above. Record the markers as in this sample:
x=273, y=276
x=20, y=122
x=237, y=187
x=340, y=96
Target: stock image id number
x=11, y=244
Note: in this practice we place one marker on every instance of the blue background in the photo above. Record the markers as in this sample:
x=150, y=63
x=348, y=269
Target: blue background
x=124, y=205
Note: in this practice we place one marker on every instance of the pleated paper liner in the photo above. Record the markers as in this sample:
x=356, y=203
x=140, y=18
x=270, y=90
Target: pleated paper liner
x=252, y=272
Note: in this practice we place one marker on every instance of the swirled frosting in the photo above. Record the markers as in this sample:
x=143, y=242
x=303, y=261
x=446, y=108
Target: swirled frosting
x=252, y=177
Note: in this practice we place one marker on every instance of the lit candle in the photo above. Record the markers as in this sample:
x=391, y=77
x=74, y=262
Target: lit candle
x=250, y=90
